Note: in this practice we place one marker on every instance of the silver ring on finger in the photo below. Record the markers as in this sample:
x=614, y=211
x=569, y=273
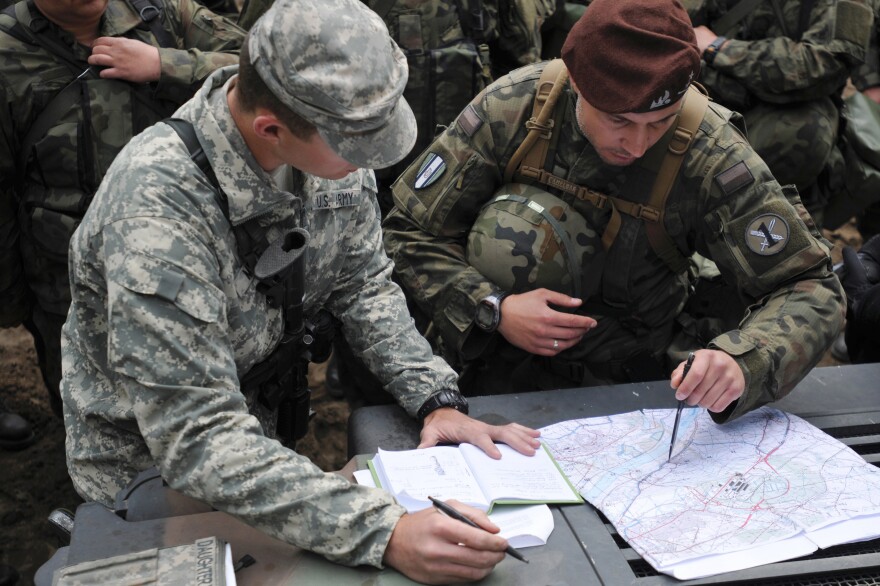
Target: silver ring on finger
x=556, y=344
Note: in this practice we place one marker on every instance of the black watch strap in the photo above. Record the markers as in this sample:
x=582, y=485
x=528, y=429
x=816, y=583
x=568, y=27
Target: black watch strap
x=445, y=398
x=712, y=49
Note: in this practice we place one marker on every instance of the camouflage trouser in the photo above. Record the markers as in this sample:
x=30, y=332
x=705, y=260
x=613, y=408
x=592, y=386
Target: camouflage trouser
x=45, y=327
x=796, y=142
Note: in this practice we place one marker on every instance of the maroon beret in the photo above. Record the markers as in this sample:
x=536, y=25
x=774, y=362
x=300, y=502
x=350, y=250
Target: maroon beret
x=632, y=55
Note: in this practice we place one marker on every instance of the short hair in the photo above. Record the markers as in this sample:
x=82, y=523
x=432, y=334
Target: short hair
x=253, y=93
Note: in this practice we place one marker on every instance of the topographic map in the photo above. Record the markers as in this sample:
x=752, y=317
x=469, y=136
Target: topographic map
x=728, y=492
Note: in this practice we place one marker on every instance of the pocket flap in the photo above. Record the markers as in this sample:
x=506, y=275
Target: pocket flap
x=149, y=275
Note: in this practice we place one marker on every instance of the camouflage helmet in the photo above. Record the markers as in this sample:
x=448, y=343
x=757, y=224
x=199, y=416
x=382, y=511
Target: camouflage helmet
x=526, y=238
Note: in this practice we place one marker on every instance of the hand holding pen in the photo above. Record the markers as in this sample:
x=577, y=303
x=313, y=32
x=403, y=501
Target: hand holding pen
x=715, y=381
x=448, y=510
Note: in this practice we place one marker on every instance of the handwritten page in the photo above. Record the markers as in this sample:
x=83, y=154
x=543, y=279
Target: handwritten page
x=467, y=474
x=442, y=472
x=521, y=525
x=505, y=478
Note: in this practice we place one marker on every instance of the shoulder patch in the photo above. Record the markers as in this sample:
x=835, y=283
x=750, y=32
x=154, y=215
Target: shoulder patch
x=469, y=121
x=734, y=178
x=430, y=171
x=767, y=234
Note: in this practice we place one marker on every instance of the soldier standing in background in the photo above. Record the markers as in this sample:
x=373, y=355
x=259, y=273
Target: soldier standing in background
x=77, y=81
x=171, y=316
x=782, y=64
x=617, y=123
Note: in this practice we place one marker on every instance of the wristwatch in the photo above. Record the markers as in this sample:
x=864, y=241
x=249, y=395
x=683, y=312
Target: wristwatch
x=488, y=314
x=445, y=398
x=712, y=49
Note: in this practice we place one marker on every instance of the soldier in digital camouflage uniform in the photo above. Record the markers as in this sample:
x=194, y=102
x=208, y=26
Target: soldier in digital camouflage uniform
x=724, y=204
x=112, y=77
x=167, y=320
x=784, y=71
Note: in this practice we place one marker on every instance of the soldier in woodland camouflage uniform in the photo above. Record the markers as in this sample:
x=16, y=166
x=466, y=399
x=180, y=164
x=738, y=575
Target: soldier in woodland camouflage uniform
x=783, y=66
x=620, y=112
x=167, y=318
x=112, y=77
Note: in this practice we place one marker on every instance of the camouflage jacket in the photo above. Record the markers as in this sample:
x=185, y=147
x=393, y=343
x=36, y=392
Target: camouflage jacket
x=66, y=164
x=723, y=194
x=766, y=62
x=165, y=317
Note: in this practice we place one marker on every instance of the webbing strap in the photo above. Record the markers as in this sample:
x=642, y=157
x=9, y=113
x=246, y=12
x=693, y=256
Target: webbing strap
x=724, y=25
x=152, y=13
x=692, y=112
x=540, y=126
x=689, y=119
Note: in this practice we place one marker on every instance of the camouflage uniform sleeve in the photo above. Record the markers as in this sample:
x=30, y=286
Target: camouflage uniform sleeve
x=375, y=318
x=426, y=233
x=796, y=302
x=780, y=70
x=170, y=349
x=868, y=73
x=206, y=42
x=14, y=293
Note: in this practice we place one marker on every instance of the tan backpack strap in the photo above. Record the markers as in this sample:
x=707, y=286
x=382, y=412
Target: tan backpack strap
x=532, y=153
x=688, y=123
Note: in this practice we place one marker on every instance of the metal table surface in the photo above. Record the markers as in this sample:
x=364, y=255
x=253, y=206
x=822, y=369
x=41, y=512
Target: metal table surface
x=844, y=401
x=583, y=549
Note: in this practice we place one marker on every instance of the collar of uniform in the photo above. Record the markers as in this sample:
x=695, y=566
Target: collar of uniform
x=119, y=18
x=249, y=190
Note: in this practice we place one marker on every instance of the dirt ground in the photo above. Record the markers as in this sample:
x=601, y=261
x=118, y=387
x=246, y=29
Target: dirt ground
x=34, y=481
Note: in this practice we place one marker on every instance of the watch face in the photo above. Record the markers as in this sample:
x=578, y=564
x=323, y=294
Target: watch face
x=485, y=316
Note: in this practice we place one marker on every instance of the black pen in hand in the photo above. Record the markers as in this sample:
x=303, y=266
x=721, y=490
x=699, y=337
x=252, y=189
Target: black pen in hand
x=687, y=368
x=449, y=511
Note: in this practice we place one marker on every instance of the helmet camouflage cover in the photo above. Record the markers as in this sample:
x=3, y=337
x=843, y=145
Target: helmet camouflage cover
x=526, y=238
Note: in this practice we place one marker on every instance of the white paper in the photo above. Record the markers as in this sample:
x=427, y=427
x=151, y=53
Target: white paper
x=440, y=472
x=504, y=478
x=230, y=567
x=765, y=487
x=524, y=525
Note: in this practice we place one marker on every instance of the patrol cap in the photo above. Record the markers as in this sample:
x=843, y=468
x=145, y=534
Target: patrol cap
x=632, y=55
x=334, y=63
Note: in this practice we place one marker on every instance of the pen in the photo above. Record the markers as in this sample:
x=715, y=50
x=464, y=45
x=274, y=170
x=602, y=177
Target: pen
x=448, y=510
x=687, y=367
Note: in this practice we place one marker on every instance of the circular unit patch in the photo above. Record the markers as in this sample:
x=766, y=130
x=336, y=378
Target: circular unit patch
x=767, y=234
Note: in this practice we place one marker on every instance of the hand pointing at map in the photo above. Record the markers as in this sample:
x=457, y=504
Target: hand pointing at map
x=715, y=381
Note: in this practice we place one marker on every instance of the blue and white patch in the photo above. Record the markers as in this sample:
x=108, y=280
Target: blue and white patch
x=340, y=198
x=430, y=171
x=767, y=234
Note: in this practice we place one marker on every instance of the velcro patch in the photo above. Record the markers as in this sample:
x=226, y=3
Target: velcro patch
x=469, y=121
x=767, y=234
x=734, y=178
x=430, y=171
x=341, y=198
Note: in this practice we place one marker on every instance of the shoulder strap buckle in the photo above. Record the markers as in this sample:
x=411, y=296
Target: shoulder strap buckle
x=545, y=129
